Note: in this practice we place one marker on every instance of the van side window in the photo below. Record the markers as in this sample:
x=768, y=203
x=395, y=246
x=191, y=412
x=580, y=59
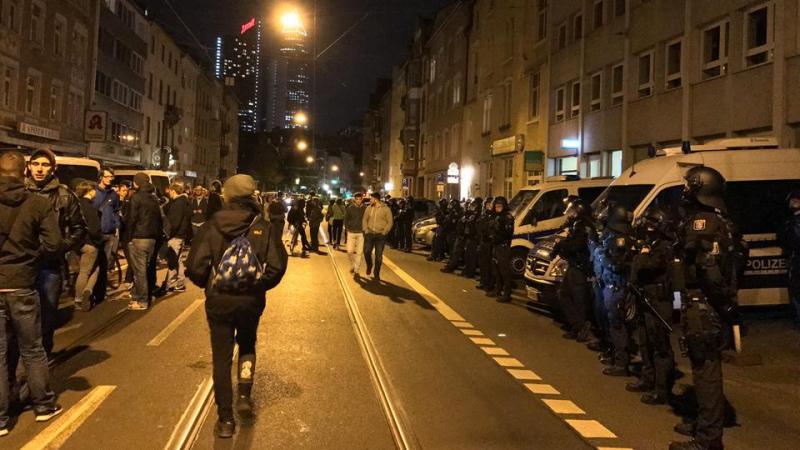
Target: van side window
x=590, y=194
x=669, y=199
x=550, y=205
x=759, y=207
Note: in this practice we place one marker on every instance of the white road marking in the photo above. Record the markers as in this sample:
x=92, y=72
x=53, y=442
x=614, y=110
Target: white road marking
x=494, y=351
x=525, y=374
x=508, y=362
x=177, y=322
x=472, y=332
x=194, y=413
x=482, y=341
x=542, y=389
x=435, y=301
x=63, y=330
x=590, y=428
x=55, y=435
x=462, y=324
x=614, y=448
x=563, y=406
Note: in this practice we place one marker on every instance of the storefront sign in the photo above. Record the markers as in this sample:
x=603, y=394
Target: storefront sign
x=35, y=130
x=453, y=174
x=534, y=160
x=247, y=26
x=191, y=173
x=508, y=145
x=95, y=126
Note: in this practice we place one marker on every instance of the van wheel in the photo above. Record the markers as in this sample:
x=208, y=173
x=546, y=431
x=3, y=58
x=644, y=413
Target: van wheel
x=519, y=255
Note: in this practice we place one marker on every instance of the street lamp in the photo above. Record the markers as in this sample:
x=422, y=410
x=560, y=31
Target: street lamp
x=291, y=21
x=300, y=118
x=361, y=174
x=310, y=159
x=334, y=168
x=302, y=146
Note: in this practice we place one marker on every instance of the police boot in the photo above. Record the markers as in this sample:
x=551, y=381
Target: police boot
x=694, y=445
x=685, y=428
x=585, y=334
x=651, y=398
x=616, y=371
x=638, y=386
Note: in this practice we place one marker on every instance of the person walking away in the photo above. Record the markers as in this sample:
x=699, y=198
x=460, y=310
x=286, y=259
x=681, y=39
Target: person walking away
x=125, y=192
x=222, y=262
x=106, y=201
x=41, y=180
x=790, y=241
x=179, y=215
x=147, y=227
x=28, y=229
x=90, y=251
x=377, y=224
x=199, y=206
x=354, y=227
x=338, y=222
x=502, y=231
x=214, y=199
x=277, y=214
x=297, y=219
x=315, y=217
x=484, y=230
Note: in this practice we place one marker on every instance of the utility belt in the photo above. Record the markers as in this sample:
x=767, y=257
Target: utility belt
x=702, y=328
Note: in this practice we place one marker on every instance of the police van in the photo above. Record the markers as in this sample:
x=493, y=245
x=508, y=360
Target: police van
x=159, y=178
x=538, y=211
x=759, y=178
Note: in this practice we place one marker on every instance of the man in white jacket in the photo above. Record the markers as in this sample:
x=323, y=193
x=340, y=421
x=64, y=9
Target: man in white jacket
x=377, y=224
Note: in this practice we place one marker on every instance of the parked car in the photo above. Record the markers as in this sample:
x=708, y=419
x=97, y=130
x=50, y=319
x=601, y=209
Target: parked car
x=424, y=230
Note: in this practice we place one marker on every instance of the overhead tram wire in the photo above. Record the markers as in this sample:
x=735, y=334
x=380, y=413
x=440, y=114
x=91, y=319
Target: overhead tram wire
x=189, y=30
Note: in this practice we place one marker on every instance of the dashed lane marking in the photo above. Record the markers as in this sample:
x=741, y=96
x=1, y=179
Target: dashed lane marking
x=562, y=406
x=525, y=374
x=177, y=322
x=55, y=435
x=591, y=428
x=586, y=428
x=542, y=389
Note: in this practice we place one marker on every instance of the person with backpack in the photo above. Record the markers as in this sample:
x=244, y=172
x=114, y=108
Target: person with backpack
x=89, y=266
x=236, y=258
x=28, y=229
x=146, y=228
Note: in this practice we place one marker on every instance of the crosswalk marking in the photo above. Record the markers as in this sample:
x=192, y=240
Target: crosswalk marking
x=542, y=389
x=524, y=374
x=508, y=362
x=472, y=332
x=495, y=351
x=482, y=341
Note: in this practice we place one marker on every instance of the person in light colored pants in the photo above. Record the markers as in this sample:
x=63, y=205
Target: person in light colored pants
x=355, y=250
x=176, y=280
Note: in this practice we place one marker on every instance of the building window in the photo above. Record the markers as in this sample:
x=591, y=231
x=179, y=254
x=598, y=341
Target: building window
x=567, y=166
x=759, y=34
x=614, y=163
x=577, y=27
x=136, y=63
x=560, y=93
x=595, y=165
x=487, y=113
x=597, y=14
x=575, y=103
x=8, y=17
x=715, y=50
x=597, y=91
x=508, y=177
x=433, y=70
x=31, y=94
x=619, y=7
x=562, y=35
x=617, y=84
x=645, y=80
x=507, y=99
x=533, y=98
x=9, y=87
x=673, y=64
x=59, y=27
x=542, y=22
x=55, y=102
x=37, y=23
x=147, y=130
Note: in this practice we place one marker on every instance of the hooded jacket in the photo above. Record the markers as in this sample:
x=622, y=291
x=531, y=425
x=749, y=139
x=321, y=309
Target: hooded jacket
x=69, y=218
x=93, y=221
x=35, y=230
x=215, y=236
x=144, y=217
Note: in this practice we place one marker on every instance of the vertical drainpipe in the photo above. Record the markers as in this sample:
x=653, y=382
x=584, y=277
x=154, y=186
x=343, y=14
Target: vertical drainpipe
x=687, y=69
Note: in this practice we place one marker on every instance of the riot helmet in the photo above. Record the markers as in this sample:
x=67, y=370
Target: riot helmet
x=502, y=202
x=705, y=186
x=654, y=221
x=476, y=205
x=793, y=201
x=443, y=204
x=619, y=219
x=488, y=204
x=575, y=208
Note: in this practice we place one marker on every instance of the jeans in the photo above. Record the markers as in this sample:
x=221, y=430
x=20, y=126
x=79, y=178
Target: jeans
x=141, y=251
x=377, y=242
x=355, y=249
x=48, y=285
x=225, y=330
x=175, y=276
x=19, y=321
x=87, y=274
x=110, y=245
x=336, y=236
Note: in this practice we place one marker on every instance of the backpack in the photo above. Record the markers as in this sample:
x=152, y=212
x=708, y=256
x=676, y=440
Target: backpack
x=239, y=271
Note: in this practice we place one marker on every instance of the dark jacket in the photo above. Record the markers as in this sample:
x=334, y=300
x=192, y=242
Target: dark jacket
x=107, y=202
x=144, y=218
x=314, y=212
x=354, y=218
x=574, y=248
x=199, y=210
x=296, y=216
x=93, y=221
x=214, y=238
x=68, y=216
x=35, y=230
x=214, y=204
x=179, y=215
x=502, y=229
x=125, y=229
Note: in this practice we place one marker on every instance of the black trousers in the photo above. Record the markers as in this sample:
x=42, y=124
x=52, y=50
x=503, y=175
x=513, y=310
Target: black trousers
x=456, y=254
x=470, y=257
x=314, y=230
x=504, y=275
x=485, y=263
x=226, y=329
x=336, y=235
x=574, y=298
x=658, y=359
x=408, y=237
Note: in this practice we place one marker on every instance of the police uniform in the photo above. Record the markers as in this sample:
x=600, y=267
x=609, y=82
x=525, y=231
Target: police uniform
x=471, y=238
x=617, y=252
x=440, y=238
x=484, y=240
x=502, y=232
x=457, y=225
x=791, y=248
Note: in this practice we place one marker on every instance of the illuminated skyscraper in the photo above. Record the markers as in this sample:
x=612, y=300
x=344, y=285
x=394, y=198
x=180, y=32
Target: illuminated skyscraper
x=238, y=64
x=290, y=76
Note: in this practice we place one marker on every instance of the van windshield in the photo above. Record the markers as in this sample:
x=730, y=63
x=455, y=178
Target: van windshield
x=628, y=196
x=521, y=200
x=69, y=175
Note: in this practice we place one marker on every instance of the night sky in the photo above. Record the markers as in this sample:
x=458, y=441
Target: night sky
x=346, y=73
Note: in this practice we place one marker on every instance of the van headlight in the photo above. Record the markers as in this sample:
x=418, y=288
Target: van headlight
x=543, y=253
x=559, y=269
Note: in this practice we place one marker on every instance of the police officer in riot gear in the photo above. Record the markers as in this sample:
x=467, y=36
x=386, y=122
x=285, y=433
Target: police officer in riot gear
x=574, y=294
x=502, y=232
x=650, y=276
x=791, y=249
x=601, y=344
x=617, y=252
x=471, y=237
x=440, y=238
x=455, y=230
x=708, y=248
x=485, y=245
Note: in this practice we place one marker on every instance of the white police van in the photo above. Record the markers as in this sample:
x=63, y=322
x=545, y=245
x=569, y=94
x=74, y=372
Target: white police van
x=759, y=178
x=159, y=178
x=538, y=211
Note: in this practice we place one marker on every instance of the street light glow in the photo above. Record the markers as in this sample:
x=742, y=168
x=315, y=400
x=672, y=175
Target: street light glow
x=335, y=168
x=300, y=118
x=361, y=174
x=310, y=159
x=291, y=21
x=302, y=146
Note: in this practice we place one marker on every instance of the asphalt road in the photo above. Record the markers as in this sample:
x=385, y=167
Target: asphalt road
x=345, y=362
